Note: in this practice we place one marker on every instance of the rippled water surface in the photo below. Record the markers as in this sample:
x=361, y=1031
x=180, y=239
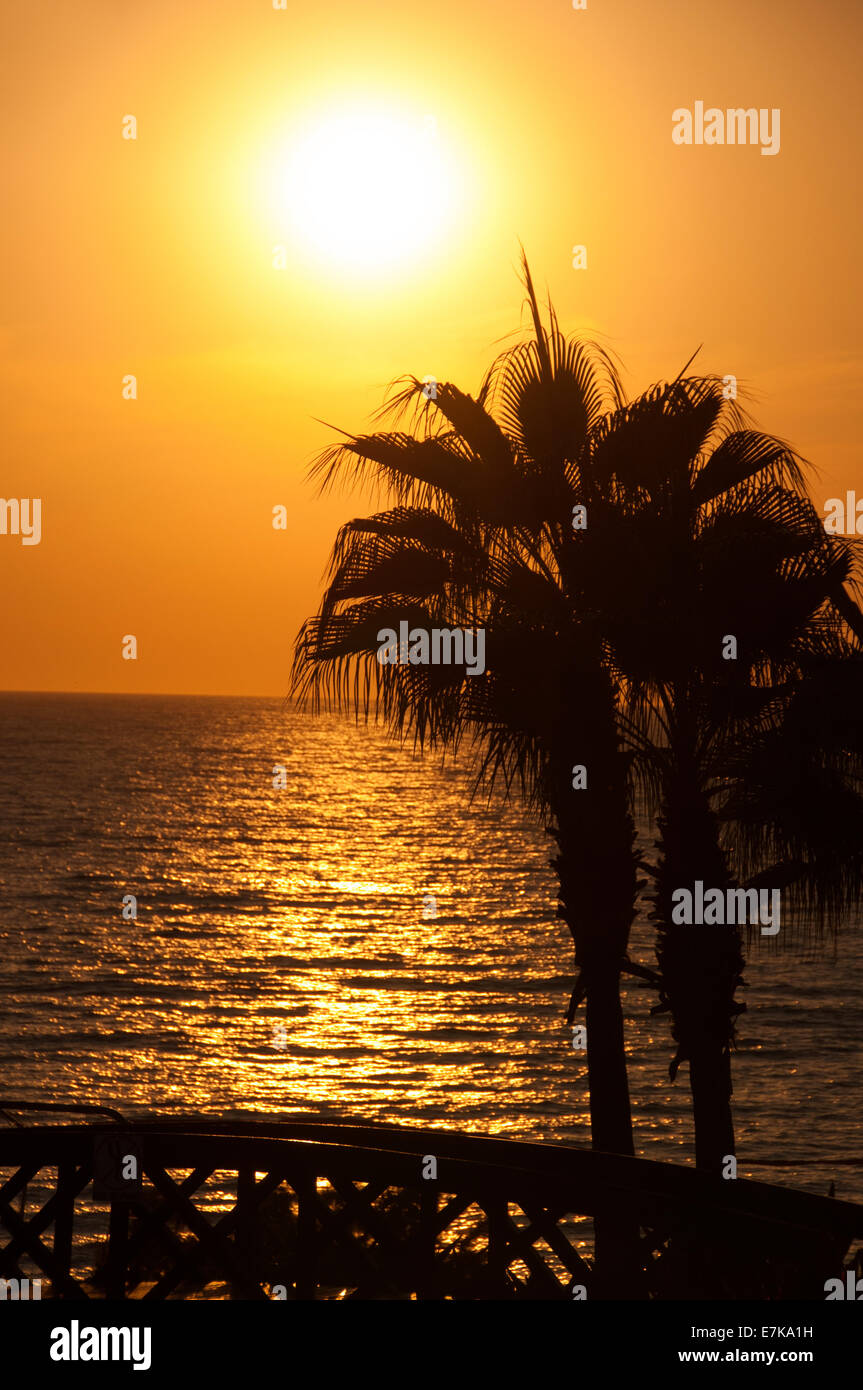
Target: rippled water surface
x=285, y=960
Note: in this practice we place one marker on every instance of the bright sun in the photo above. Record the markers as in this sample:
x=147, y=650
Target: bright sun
x=365, y=190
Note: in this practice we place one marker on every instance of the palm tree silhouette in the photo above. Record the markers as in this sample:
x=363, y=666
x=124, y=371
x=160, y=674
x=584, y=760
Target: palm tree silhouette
x=604, y=647
x=753, y=763
x=482, y=536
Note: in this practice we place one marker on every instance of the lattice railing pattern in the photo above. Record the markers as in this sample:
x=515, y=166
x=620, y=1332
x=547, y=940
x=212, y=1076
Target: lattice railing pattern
x=323, y=1211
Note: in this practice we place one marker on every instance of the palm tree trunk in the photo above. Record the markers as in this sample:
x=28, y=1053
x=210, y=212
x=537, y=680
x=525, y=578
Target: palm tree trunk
x=710, y=1081
x=610, y=1111
x=617, y=1271
x=701, y=967
x=597, y=901
x=596, y=870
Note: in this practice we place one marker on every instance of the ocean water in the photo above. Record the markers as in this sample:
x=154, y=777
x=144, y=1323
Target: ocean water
x=286, y=958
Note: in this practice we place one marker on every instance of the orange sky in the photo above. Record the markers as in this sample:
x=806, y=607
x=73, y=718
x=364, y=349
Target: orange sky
x=154, y=257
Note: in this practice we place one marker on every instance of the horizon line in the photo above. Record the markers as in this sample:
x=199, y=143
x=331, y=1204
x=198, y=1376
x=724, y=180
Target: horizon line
x=154, y=694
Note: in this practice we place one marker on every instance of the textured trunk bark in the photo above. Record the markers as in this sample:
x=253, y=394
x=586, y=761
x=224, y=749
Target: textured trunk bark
x=710, y=1080
x=617, y=1267
x=596, y=869
x=597, y=873
x=610, y=1112
x=701, y=967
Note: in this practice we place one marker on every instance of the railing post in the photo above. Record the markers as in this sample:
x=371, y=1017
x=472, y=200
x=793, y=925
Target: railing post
x=426, y=1243
x=63, y=1223
x=306, y=1189
x=497, y=1212
x=245, y=1233
x=118, y=1240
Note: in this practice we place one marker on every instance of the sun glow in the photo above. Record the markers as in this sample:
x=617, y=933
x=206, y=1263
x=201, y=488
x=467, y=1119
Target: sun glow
x=365, y=190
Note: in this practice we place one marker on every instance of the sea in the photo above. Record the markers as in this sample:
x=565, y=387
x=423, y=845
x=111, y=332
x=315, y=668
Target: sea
x=218, y=906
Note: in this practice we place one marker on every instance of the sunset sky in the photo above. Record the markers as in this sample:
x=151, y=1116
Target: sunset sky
x=508, y=122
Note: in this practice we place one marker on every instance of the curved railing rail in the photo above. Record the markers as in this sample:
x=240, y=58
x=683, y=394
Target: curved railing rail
x=250, y=1209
